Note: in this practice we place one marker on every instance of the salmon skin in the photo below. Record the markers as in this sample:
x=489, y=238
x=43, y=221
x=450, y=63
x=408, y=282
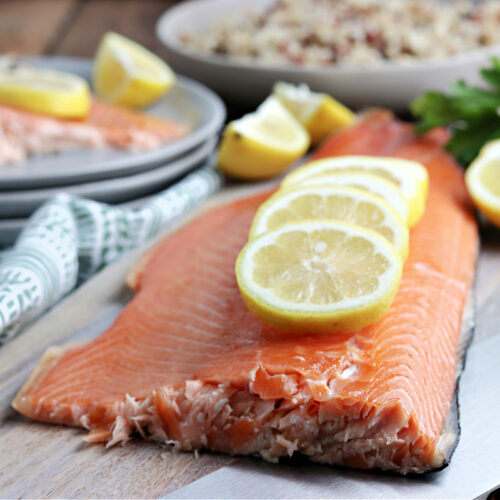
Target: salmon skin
x=186, y=363
x=24, y=134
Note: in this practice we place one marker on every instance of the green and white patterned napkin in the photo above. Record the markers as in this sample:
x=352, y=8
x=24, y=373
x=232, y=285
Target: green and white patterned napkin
x=69, y=238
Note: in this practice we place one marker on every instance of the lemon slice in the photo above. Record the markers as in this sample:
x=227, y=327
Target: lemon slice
x=319, y=277
x=483, y=181
x=54, y=93
x=127, y=73
x=367, y=182
x=332, y=202
x=262, y=144
x=320, y=114
x=410, y=176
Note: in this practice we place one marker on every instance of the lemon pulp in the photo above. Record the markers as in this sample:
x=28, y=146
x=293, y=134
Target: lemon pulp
x=262, y=144
x=318, y=276
x=332, y=202
x=127, y=73
x=374, y=184
x=483, y=182
x=319, y=113
x=410, y=176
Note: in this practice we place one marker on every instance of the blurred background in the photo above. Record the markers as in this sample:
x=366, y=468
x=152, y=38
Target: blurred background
x=74, y=27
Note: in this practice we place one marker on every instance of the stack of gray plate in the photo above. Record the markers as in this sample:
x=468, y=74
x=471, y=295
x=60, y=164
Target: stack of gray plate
x=109, y=175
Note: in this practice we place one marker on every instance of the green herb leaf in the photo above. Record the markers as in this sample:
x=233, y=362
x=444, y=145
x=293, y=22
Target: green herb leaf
x=435, y=110
x=471, y=113
x=472, y=102
x=492, y=75
x=469, y=137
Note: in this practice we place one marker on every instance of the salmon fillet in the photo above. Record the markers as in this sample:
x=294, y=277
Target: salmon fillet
x=128, y=129
x=186, y=363
x=24, y=134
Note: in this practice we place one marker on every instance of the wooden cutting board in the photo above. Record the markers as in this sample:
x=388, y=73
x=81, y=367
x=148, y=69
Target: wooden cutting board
x=49, y=461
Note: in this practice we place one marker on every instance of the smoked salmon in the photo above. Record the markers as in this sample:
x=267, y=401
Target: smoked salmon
x=187, y=364
x=24, y=134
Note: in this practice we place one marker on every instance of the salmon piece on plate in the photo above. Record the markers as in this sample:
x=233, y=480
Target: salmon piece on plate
x=188, y=364
x=24, y=134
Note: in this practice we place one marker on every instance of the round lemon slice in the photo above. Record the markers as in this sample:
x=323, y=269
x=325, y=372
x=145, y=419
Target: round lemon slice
x=319, y=277
x=332, y=202
x=367, y=182
x=319, y=113
x=127, y=73
x=262, y=144
x=54, y=93
x=483, y=181
x=411, y=177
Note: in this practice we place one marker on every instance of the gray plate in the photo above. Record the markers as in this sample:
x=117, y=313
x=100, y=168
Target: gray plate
x=188, y=102
x=23, y=203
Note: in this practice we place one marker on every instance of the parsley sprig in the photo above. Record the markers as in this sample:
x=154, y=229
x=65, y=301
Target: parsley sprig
x=473, y=114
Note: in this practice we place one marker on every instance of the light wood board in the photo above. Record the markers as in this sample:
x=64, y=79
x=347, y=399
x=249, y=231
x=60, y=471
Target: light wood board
x=49, y=461
x=30, y=26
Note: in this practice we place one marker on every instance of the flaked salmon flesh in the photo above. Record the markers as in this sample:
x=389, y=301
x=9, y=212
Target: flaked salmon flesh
x=186, y=363
x=24, y=134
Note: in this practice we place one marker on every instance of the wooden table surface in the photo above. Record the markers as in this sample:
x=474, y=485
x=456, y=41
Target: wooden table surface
x=74, y=27
x=48, y=461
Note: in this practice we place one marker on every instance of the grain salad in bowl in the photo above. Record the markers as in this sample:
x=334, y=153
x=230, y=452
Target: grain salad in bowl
x=348, y=33
x=362, y=52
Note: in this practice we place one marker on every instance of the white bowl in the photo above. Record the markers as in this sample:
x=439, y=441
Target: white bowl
x=389, y=84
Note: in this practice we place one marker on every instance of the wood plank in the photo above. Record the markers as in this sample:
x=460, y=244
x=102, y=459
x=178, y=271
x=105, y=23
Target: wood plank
x=51, y=461
x=135, y=19
x=28, y=26
x=47, y=461
x=68, y=467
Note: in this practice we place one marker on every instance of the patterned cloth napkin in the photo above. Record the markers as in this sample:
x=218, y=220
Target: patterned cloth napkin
x=69, y=238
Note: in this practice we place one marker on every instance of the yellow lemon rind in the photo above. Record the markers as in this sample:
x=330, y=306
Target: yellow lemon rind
x=325, y=322
x=248, y=153
x=319, y=113
x=415, y=191
x=485, y=200
x=374, y=184
x=331, y=116
x=246, y=159
x=73, y=102
x=135, y=86
x=265, y=210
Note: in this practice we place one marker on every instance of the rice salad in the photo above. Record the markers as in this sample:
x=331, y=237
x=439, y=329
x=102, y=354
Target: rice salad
x=349, y=33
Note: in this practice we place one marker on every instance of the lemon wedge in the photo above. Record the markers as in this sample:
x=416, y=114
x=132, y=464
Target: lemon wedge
x=332, y=202
x=483, y=181
x=319, y=277
x=320, y=114
x=374, y=184
x=127, y=73
x=54, y=93
x=410, y=176
x=262, y=144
